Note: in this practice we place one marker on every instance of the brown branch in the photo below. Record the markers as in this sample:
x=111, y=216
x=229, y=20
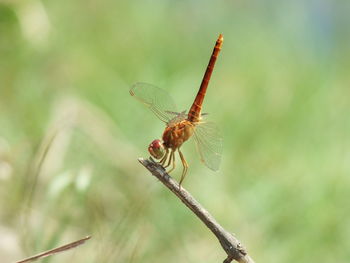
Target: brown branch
x=231, y=245
x=56, y=250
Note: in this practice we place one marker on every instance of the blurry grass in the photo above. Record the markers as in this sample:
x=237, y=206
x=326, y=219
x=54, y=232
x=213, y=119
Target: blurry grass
x=282, y=86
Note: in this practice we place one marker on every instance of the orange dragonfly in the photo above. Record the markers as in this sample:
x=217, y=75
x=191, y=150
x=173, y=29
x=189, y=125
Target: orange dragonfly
x=181, y=126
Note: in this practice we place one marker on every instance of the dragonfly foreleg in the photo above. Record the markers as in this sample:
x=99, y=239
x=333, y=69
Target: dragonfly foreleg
x=185, y=165
x=170, y=158
x=173, y=160
x=165, y=157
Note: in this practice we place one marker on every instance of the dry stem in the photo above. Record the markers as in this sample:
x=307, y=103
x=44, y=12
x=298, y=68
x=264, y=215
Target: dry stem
x=55, y=250
x=231, y=245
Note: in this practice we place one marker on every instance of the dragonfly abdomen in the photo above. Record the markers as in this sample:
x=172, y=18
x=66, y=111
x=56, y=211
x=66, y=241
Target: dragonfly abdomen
x=195, y=111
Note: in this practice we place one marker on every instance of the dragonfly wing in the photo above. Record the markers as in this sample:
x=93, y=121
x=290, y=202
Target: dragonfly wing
x=209, y=144
x=156, y=99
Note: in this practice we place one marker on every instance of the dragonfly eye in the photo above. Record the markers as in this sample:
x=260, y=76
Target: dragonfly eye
x=156, y=149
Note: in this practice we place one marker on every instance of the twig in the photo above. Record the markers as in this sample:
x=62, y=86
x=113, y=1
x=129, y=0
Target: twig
x=56, y=250
x=231, y=245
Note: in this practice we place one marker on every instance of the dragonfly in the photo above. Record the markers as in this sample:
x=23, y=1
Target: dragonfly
x=180, y=126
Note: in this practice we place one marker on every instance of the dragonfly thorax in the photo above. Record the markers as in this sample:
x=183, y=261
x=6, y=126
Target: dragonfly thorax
x=175, y=135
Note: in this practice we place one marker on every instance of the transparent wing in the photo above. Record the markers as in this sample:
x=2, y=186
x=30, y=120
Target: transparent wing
x=156, y=99
x=209, y=144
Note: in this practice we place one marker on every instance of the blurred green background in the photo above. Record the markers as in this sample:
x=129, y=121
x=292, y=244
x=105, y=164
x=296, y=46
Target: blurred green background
x=70, y=133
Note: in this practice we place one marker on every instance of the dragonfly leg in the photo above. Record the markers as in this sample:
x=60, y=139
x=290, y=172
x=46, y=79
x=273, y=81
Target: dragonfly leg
x=185, y=165
x=170, y=159
x=173, y=157
x=163, y=160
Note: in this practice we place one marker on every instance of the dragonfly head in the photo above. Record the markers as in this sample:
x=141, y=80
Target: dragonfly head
x=156, y=149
